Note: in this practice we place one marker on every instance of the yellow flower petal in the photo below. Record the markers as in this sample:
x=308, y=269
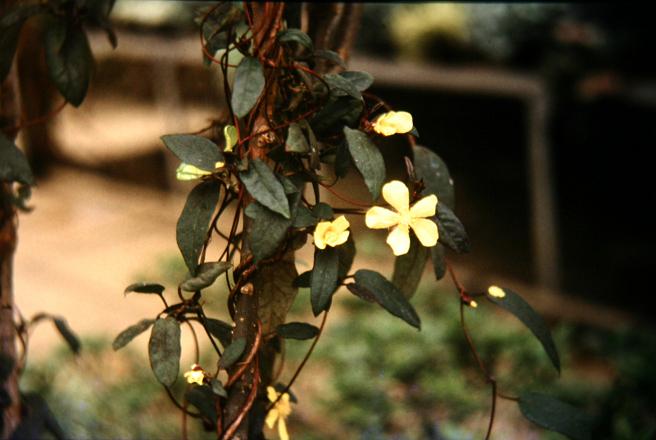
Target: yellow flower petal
x=230, y=134
x=195, y=376
x=424, y=207
x=396, y=193
x=340, y=224
x=282, y=430
x=381, y=218
x=186, y=171
x=399, y=240
x=339, y=238
x=425, y=230
x=473, y=304
x=271, y=417
x=391, y=123
x=320, y=234
x=331, y=233
x=272, y=394
x=496, y=292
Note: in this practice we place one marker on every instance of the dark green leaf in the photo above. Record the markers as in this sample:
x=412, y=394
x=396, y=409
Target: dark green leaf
x=193, y=223
x=409, y=267
x=303, y=280
x=262, y=184
x=516, y=305
x=297, y=330
x=323, y=211
x=13, y=163
x=296, y=142
x=555, y=415
x=219, y=329
x=296, y=36
x=218, y=389
x=232, y=353
x=337, y=112
x=367, y=159
x=304, y=218
x=37, y=419
x=206, y=275
x=274, y=282
x=10, y=26
x=21, y=196
x=360, y=80
x=432, y=169
x=203, y=398
x=142, y=287
x=342, y=160
x=324, y=278
x=331, y=56
x=68, y=335
x=164, y=350
x=439, y=264
x=452, y=232
x=340, y=86
x=249, y=83
x=194, y=150
x=69, y=60
x=127, y=335
x=268, y=230
x=346, y=254
x=98, y=13
x=387, y=295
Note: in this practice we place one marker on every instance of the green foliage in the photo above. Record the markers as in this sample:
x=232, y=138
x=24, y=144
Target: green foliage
x=433, y=171
x=194, y=150
x=277, y=292
x=555, y=415
x=143, y=287
x=127, y=335
x=164, y=350
x=324, y=279
x=368, y=160
x=452, y=232
x=232, y=353
x=249, y=84
x=13, y=163
x=409, y=268
x=206, y=275
x=297, y=330
x=263, y=185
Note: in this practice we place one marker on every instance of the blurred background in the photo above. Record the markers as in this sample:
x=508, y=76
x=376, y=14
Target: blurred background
x=544, y=114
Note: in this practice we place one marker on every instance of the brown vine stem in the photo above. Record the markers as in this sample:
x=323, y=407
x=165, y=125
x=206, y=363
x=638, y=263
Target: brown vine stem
x=302, y=364
x=41, y=119
x=344, y=198
x=232, y=429
x=249, y=359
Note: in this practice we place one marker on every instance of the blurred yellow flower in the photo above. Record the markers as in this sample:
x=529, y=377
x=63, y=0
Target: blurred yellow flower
x=230, y=135
x=496, y=292
x=195, y=375
x=396, y=193
x=279, y=412
x=473, y=304
x=189, y=172
x=331, y=233
x=391, y=123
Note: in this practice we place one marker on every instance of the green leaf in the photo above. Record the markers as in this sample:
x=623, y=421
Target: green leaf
x=274, y=282
x=142, y=287
x=409, y=267
x=452, y=232
x=304, y=218
x=340, y=86
x=324, y=278
x=232, y=353
x=296, y=142
x=203, y=398
x=164, y=350
x=249, y=83
x=303, y=280
x=516, y=305
x=194, y=150
x=268, y=230
x=346, y=253
x=360, y=80
x=297, y=330
x=296, y=36
x=435, y=174
x=555, y=415
x=206, y=275
x=191, y=230
x=439, y=264
x=323, y=211
x=69, y=60
x=331, y=56
x=337, y=112
x=10, y=27
x=387, y=295
x=13, y=163
x=262, y=184
x=368, y=160
x=68, y=335
x=219, y=329
x=218, y=389
x=127, y=335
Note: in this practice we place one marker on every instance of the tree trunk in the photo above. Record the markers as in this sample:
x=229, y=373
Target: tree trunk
x=9, y=116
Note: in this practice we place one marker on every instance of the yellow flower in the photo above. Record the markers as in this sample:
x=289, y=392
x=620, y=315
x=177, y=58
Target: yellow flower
x=496, y=292
x=391, y=123
x=189, y=172
x=331, y=233
x=230, y=134
x=473, y=304
x=279, y=412
x=195, y=375
x=396, y=193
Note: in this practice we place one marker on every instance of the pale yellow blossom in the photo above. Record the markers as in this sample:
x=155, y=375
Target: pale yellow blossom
x=473, y=304
x=331, y=233
x=391, y=123
x=195, y=375
x=396, y=193
x=496, y=292
x=230, y=135
x=280, y=411
x=190, y=172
